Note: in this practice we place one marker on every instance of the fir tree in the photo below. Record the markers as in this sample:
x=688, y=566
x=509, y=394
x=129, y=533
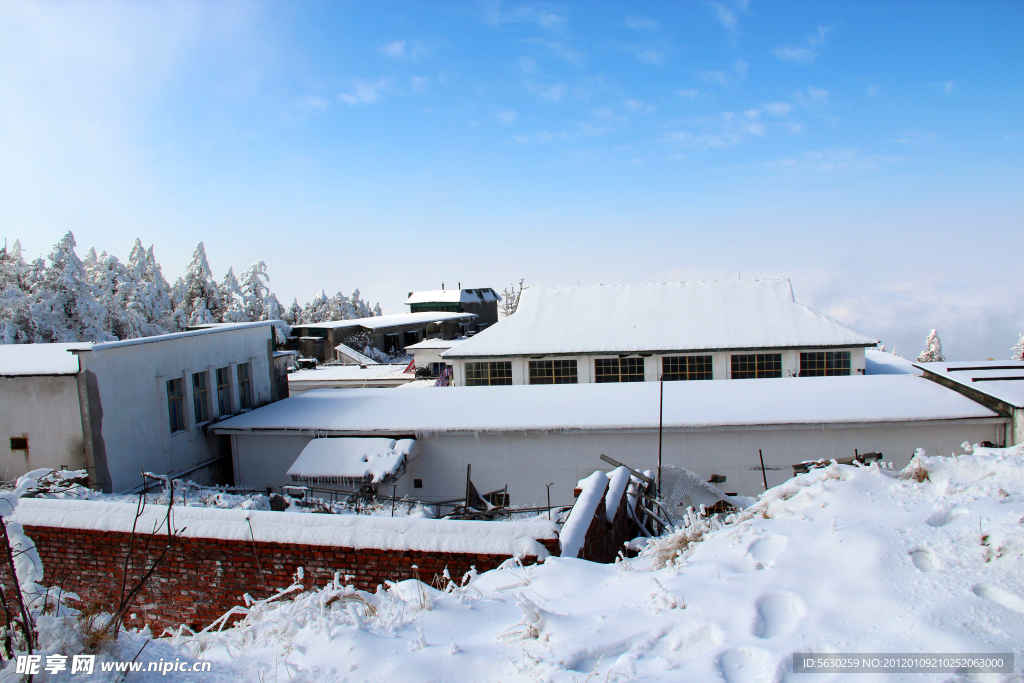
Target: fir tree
x=64, y=303
x=293, y=316
x=200, y=302
x=1018, y=350
x=255, y=291
x=933, y=349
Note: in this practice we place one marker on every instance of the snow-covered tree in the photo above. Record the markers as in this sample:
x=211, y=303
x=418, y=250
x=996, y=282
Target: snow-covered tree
x=146, y=294
x=231, y=300
x=293, y=316
x=255, y=291
x=317, y=310
x=200, y=295
x=64, y=302
x=376, y=310
x=510, y=299
x=932, y=349
x=1018, y=350
x=110, y=279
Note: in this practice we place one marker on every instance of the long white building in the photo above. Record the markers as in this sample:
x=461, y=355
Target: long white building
x=672, y=331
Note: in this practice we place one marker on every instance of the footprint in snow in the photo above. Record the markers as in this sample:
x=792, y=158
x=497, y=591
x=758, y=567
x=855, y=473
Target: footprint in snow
x=778, y=613
x=926, y=560
x=1000, y=597
x=765, y=550
x=746, y=665
x=944, y=517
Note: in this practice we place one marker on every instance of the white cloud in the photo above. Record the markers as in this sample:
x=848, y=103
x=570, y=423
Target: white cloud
x=795, y=55
x=752, y=113
x=872, y=89
x=740, y=67
x=726, y=17
x=650, y=57
x=419, y=84
x=816, y=39
x=546, y=19
x=506, y=117
x=948, y=87
x=553, y=93
x=560, y=50
x=817, y=94
x=636, y=105
x=311, y=104
x=395, y=50
x=689, y=93
x=638, y=24
x=364, y=92
x=528, y=64
x=778, y=108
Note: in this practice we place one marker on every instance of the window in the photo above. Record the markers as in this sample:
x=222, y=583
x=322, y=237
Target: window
x=489, y=373
x=223, y=391
x=412, y=337
x=552, y=372
x=685, y=367
x=19, y=443
x=244, y=387
x=619, y=370
x=751, y=365
x=200, y=398
x=391, y=344
x=176, y=405
x=824, y=363
x=437, y=368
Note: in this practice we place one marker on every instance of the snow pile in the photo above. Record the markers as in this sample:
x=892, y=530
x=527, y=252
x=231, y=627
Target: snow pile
x=341, y=460
x=348, y=531
x=841, y=559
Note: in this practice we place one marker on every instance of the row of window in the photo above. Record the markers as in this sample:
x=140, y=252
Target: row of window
x=201, y=395
x=743, y=366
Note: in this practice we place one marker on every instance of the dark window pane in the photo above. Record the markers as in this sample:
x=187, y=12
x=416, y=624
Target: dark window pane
x=606, y=370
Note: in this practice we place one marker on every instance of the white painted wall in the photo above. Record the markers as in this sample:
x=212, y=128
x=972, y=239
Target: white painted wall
x=45, y=408
x=528, y=461
x=132, y=415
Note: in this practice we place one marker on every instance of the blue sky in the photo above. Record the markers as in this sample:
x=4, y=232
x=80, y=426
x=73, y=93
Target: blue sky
x=871, y=151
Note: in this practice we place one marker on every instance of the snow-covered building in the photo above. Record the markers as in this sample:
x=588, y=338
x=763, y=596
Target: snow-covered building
x=481, y=302
x=671, y=331
x=389, y=334
x=528, y=436
x=427, y=354
x=998, y=385
x=117, y=409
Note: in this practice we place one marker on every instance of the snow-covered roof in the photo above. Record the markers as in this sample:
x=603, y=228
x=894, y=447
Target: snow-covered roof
x=435, y=344
x=350, y=460
x=1001, y=379
x=379, y=321
x=340, y=531
x=881, y=363
x=597, y=407
x=206, y=329
x=453, y=296
x=677, y=316
x=336, y=373
x=354, y=355
x=39, y=359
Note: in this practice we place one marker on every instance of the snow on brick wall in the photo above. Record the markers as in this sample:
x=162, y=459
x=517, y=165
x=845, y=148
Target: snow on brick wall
x=201, y=578
x=599, y=523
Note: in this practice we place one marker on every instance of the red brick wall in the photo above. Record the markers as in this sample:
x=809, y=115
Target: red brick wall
x=201, y=578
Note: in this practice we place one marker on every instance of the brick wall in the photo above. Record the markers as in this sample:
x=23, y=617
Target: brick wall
x=201, y=578
x=604, y=539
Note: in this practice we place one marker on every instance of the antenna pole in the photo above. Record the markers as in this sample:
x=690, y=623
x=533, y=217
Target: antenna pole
x=661, y=418
x=763, y=475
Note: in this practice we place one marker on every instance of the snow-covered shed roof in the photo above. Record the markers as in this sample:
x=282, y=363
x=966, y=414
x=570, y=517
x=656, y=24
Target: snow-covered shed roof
x=602, y=407
x=355, y=356
x=435, y=344
x=453, y=296
x=395, y=320
x=216, y=328
x=342, y=460
x=675, y=316
x=1003, y=380
x=17, y=360
x=336, y=373
x=882, y=363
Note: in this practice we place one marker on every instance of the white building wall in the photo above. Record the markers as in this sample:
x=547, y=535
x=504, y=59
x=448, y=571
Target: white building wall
x=526, y=462
x=45, y=409
x=130, y=426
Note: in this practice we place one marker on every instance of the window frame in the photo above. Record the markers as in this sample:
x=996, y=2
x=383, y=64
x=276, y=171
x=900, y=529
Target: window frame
x=618, y=375
x=760, y=361
x=562, y=371
x=690, y=364
x=828, y=362
x=244, y=386
x=201, y=397
x=223, y=390
x=491, y=369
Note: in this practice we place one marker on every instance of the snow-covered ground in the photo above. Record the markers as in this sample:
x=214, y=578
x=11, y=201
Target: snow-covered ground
x=841, y=559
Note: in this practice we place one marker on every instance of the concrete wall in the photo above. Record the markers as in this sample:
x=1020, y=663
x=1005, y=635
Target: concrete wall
x=125, y=389
x=45, y=408
x=526, y=462
x=721, y=362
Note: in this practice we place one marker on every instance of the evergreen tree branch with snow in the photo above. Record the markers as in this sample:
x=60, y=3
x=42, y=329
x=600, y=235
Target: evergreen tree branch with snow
x=1018, y=349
